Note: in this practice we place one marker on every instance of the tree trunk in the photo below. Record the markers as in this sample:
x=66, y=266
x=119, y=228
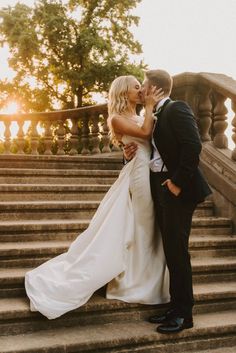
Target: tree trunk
x=79, y=95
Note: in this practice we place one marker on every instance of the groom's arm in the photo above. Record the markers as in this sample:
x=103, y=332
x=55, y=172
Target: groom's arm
x=129, y=151
x=186, y=131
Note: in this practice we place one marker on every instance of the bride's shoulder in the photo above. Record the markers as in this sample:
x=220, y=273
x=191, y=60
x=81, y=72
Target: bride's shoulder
x=118, y=120
x=114, y=119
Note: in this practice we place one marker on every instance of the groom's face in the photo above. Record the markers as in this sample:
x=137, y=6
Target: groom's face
x=146, y=86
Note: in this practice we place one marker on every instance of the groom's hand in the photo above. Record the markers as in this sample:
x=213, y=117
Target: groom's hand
x=129, y=150
x=172, y=187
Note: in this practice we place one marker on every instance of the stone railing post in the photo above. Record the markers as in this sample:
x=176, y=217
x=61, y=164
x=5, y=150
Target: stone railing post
x=95, y=133
x=60, y=138
x=7, y=137
x=190, y=98
x=48, y=138
x=204, y=114
x=219, y=121
x=105, y=135
x=20, y=138
x=234, y=129
x=85, y=135
x=74, y=137
x=34, y=137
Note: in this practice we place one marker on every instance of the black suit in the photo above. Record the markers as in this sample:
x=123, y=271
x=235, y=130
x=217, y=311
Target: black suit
x=177, y=140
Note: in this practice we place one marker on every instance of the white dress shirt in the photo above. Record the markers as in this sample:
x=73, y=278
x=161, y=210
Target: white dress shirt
x=156, y=163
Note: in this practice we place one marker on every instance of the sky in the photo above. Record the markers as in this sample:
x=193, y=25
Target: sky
x=178, y=36
x=188, y=35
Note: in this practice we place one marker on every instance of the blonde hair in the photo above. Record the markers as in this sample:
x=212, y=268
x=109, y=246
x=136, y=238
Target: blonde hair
x=118, y=101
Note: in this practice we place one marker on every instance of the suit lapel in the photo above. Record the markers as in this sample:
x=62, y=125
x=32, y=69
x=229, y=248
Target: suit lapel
x=163, y=107
x=159, y=116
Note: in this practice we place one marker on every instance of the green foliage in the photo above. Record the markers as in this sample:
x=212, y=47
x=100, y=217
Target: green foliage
x=70, y=50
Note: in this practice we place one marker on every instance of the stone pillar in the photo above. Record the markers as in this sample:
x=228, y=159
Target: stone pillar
x=105, y=135
x=48, y=138
x=7, y=137
x=190, y=98
x=74, y=137
x=234, y=129
x=61, y=138
x=85, y=135
x=219, y=121
x=20, y=138
x=95, y=134
x=204, y=114
x=34, y=137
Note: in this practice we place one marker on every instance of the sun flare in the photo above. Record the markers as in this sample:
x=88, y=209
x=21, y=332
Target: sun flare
x=11, y=108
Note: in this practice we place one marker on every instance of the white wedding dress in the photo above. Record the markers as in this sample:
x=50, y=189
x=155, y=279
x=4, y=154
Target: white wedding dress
x=119, y=247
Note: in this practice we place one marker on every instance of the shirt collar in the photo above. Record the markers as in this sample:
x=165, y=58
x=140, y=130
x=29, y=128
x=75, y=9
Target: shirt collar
x=162, y=101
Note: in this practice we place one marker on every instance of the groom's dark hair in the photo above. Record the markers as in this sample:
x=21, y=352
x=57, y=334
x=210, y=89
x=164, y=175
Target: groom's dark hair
x=160, y=79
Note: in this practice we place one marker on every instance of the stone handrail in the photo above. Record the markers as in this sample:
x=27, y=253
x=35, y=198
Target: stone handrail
x=85, y=131
x=206, y=93
x=75, y=131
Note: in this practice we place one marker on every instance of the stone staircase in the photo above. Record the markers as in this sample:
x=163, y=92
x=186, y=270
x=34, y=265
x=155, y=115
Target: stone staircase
x=43, y=207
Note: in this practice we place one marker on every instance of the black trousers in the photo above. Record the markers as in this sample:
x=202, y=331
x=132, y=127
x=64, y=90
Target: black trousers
x=174, y=217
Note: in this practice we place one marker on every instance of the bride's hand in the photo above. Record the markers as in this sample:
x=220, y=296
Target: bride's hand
x=153, y=96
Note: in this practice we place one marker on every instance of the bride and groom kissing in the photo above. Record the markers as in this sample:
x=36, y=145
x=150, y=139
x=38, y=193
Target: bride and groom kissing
x=137, y=241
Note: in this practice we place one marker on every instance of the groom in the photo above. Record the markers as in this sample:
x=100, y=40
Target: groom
x=177, y=187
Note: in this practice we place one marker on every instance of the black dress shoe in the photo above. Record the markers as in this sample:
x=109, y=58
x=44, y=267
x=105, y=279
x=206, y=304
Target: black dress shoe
x=175, y=324
x=161, y=319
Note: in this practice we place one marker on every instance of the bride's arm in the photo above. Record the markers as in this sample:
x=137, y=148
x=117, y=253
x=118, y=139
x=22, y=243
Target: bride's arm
x=124, y=126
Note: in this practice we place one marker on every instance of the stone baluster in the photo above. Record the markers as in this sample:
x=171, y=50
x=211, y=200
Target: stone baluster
x=61, y=138
x=219, y=121
x=105, y=135
x=234, y=129
x=85, y=135
x=74, y=137
x=190, y=98
x=204, y=114
x=95, y=133
x=7, y=137
x=20, y=138
x=34, y=137
x=48, y=139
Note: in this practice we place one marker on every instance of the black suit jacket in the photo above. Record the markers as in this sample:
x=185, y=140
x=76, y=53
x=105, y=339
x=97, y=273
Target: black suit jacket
x=177, y=139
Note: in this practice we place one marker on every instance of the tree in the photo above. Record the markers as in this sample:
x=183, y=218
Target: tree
x=69, y=50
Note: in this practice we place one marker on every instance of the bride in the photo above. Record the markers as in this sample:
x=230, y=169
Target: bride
x=117, y=248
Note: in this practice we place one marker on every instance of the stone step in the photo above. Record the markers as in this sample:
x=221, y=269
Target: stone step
x=69, y=192
x=41, y=230
x=16, y=317
x=215, y=350
x=127, y=337
x=205, y=270
x=212, y=246
x=211, y=225
x=52, y=229
x=57, y=192
x=33, y=253
x=38, y=210
x=57, y=176
x=112, y=161
x=66, y=209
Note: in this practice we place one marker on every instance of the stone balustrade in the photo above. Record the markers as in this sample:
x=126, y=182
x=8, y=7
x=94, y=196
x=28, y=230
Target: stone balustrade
x=66, y=132
x=207, y=93
x=85, y=131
